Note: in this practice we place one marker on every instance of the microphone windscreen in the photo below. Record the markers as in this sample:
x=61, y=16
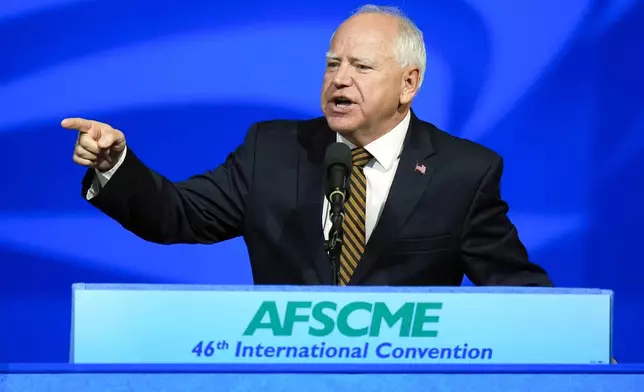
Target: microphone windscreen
x=337, y=162
x=338, y=153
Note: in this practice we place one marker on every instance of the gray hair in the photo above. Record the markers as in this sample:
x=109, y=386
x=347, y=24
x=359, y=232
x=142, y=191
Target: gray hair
x=410, y=45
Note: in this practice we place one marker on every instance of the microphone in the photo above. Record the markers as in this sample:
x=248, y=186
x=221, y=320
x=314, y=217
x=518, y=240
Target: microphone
x=338, y=163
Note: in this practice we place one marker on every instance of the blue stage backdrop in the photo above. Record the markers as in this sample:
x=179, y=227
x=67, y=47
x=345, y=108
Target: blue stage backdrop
x=556, y=87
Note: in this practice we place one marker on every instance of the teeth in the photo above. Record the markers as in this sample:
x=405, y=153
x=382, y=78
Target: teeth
x=342, y=102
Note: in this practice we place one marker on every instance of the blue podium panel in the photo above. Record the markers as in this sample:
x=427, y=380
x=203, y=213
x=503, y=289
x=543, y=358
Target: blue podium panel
x=367, y=326
x=213, y=378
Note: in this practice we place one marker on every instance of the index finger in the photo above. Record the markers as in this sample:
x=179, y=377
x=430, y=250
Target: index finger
x=79, y=124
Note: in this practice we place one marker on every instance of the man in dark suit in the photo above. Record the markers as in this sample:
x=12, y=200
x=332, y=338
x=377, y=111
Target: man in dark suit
x=425, y=206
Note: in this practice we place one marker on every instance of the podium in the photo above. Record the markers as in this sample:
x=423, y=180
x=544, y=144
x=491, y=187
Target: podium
x=246, y=338
x=327, y=326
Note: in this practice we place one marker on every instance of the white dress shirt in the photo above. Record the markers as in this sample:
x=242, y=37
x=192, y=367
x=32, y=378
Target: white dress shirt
x=379, y=173
x=102, y=178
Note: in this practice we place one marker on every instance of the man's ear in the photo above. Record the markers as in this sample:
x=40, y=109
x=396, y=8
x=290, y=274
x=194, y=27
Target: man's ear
x=410, y=83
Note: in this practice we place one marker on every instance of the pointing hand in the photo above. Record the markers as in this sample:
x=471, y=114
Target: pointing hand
x=98, y=145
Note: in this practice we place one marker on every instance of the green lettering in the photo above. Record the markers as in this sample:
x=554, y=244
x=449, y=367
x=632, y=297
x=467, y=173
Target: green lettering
x=410, y=317
x=292, y=317
x=381, y=313
x=267, y=308
x=327, y=321
x=343, y=319
x=421, y=318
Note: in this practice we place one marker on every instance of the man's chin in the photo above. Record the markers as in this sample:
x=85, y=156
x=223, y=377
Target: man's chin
x=341, y=125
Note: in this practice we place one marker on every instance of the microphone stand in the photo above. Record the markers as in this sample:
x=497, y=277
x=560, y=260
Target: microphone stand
x=334, y=244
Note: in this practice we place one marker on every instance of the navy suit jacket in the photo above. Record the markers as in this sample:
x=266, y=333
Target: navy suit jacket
x=435, y=227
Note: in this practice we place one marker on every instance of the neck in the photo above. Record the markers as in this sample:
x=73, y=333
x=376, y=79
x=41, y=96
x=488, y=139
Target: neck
x=362, y=137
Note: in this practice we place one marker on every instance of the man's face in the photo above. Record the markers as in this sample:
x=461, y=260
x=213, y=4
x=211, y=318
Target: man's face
x=363, y=81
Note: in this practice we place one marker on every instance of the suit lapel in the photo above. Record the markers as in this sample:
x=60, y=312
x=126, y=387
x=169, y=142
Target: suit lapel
x=314, y=137
x=408, y=186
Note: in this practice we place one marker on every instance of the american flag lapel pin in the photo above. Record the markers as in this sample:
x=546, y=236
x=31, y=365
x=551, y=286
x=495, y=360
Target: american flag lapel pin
x=420, y=168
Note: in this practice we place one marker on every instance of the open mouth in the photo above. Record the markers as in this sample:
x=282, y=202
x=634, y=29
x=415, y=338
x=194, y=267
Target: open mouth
x=342, y=102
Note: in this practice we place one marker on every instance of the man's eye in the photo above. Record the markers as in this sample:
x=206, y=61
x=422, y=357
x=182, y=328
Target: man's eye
x=362, y=66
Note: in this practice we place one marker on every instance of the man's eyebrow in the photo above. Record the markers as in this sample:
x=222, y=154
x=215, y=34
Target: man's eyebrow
x=332, y=56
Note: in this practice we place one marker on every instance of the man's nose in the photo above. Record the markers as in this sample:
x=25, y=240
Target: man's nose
x=342, y=77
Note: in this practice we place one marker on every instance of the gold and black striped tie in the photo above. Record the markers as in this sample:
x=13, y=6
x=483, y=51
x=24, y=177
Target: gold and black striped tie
x=353, y=227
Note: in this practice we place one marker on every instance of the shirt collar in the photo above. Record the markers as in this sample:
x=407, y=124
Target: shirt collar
x=387, y=147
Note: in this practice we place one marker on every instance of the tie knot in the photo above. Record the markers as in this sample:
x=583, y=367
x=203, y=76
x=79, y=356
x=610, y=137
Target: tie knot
x=360, y=157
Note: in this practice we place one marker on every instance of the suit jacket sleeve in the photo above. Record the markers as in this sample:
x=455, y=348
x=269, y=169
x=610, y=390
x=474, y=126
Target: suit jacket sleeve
x=205, y=208
x=492, y=251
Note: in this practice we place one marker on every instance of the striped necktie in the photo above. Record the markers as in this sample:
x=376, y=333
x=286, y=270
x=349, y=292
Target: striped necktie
x=353, y=227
